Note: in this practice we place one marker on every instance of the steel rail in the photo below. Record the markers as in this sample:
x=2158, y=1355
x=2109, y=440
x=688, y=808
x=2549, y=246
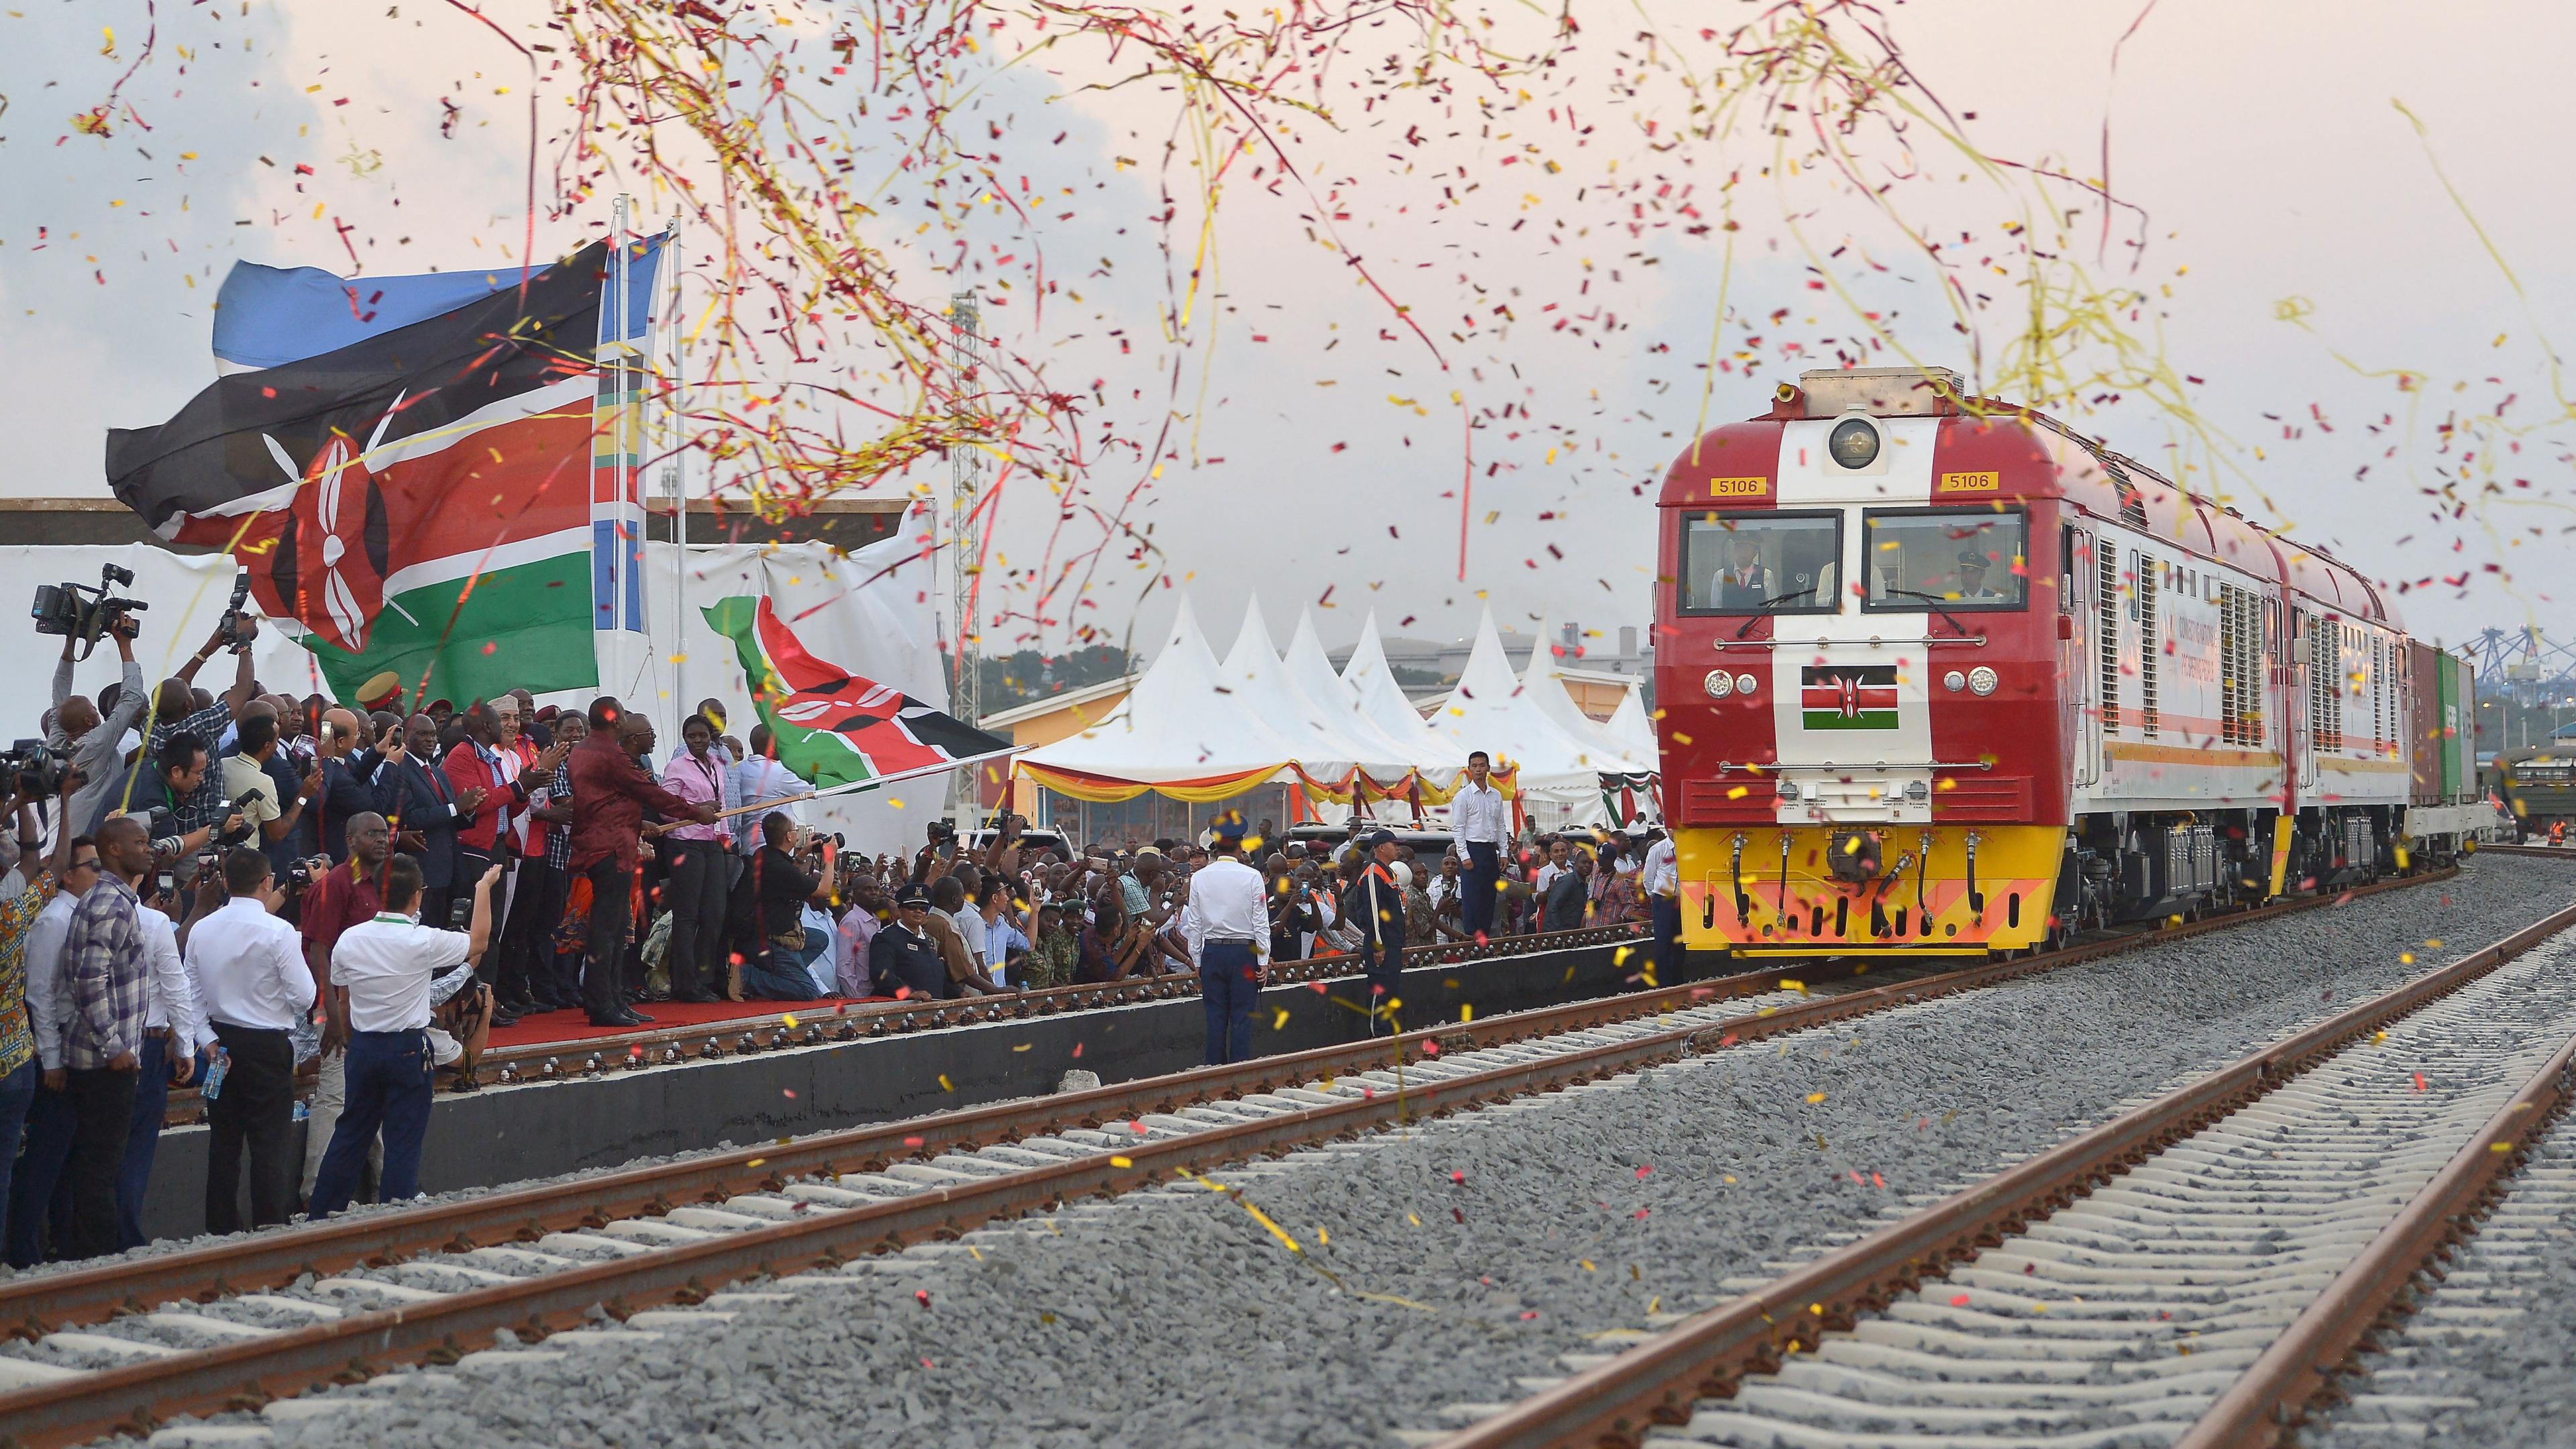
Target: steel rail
x=822, y=1022
x=39, y=1304
x=2272, y=1396
x=135, y=1397
x=1705, y=1356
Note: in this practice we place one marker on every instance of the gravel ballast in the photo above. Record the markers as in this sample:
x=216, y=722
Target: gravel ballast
x=1449, y=1262
x=2489, y=1355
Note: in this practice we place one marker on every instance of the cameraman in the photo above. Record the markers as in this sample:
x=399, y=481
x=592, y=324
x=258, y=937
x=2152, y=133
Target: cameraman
x=253, y=770
x=174, y=713
x=92, y=736
x=176, y=780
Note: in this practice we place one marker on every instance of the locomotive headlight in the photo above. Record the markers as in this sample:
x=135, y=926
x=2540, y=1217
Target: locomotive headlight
x=1744, y=684
x=1719, y=684
x=1981, y=680
x=1853, y=442
x=1954, y=681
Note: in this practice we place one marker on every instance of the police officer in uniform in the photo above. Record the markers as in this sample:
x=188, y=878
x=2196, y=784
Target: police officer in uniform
x=1381, y=925
x=903, y=961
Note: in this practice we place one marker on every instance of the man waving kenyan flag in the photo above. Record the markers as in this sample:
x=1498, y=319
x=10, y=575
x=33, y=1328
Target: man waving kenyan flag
x=831, y=727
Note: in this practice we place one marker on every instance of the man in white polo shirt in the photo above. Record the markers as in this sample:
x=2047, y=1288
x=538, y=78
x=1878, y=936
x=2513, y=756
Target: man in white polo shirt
x=383, y=969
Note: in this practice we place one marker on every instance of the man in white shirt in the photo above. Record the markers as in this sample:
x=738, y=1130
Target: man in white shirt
x=1228, y=922
x=383, y=970
x=257, y=989
x=757, y=782
x=1661, y=879
x=173, y=1023
x=48, y=1141
x=1478, y=815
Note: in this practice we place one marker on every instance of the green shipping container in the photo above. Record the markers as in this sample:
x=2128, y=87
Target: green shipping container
x=2460, y=736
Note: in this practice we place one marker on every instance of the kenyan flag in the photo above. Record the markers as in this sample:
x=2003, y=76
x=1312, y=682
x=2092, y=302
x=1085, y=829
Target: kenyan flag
x=414, y=504
x=829, y=726
x=1848, y=696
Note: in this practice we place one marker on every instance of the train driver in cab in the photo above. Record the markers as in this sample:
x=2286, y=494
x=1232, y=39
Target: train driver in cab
x=1973, y=587
x=1746, y=584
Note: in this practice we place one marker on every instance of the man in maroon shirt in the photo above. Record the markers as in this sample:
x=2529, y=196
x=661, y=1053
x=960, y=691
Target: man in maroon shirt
x=339, y=898
x=609, y=793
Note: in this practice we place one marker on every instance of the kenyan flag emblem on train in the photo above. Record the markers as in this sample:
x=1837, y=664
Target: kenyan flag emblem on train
x=1848, y=696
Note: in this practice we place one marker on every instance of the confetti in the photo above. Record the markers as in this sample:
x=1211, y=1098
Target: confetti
x=1959, y=1300
x=1814, y=1097
x=1122, y=1162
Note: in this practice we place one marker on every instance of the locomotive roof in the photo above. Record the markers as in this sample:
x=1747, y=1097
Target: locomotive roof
x=2062, y=464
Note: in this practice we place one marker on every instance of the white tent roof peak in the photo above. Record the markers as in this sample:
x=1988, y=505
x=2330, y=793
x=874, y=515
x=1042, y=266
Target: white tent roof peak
x=1310, y=674
x=1382, y=702
x=1260, y=685
x=1544, y=682
x=1490, y=710
x=1176, y=724
x=1632, y=729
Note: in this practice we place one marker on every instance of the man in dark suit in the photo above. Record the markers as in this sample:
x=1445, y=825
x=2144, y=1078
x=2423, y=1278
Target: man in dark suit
x=425, y=805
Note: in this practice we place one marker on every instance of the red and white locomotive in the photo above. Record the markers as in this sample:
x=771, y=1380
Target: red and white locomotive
x=1938, y=674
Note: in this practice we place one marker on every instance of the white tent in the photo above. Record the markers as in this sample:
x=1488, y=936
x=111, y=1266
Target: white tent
x=1545, y=686
x=1382, y=701
x=1559, y=775
x=1631, y=727
x=1310, y=674
x=1176, y=725
x=1260, y=684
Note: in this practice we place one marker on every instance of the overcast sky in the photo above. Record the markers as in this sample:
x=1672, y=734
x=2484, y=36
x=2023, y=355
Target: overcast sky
x=2261, y=143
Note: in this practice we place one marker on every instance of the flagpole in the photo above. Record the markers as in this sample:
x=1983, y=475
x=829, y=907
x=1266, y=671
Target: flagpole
x=870, y=784
x=677, y=471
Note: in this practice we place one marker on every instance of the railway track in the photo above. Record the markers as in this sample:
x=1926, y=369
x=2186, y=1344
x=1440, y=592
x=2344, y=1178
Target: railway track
x=125, y=1345
x=822, y=1022
x=2193, y=1271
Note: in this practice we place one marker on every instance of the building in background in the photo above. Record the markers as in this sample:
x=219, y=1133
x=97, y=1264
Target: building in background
x=1597, y=670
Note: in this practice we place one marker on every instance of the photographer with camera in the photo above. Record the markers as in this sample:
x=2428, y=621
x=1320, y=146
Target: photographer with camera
x=92, y=736
x=164, y=785
x=251, y=777
x=174, y=713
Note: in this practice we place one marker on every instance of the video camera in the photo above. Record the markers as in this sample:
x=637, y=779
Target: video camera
x=232, y=631
x=86, y=612
x=37, y=771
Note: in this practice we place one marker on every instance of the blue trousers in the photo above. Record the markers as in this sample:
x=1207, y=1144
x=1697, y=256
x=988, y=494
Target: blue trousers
x=1229, y=982
x=37, y=1212
x=17, y=1094
x=389, y=1083
x=1484, y=870
x=1385, y=981
x=1668, y=937
x=134, y=1176
x=780, y=975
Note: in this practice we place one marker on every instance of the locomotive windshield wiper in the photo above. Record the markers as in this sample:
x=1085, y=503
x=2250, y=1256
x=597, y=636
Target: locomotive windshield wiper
x=1936, y=607
x=1763, y=608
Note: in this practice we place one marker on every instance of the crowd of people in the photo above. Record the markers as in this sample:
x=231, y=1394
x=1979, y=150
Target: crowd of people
x=234, y=891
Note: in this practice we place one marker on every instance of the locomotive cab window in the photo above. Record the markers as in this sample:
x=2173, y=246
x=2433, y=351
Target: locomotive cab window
x=1956, y=558
x=1762, y=563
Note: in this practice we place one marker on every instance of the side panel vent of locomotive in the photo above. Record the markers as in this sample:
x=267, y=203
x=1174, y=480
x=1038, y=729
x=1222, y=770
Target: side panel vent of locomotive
x=2147, y=591
x=2106, y=606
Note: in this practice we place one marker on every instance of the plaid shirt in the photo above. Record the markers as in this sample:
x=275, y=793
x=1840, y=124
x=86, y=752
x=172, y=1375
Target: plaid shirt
x=559, y=837
x=207, y=804
x=104, y=957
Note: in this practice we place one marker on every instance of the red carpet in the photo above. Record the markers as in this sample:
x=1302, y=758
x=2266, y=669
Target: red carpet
x=571, y=1026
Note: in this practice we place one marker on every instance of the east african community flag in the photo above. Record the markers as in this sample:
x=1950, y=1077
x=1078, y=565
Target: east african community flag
x=416, y=501
x=830, y=726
